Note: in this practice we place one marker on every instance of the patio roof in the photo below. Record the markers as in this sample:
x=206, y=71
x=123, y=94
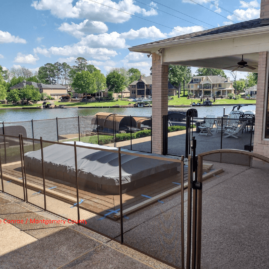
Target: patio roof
x=220, y=48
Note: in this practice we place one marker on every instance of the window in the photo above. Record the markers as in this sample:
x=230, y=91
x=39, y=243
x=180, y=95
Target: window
x=219, y=85
x=140, y=85
x=148, y=91
x=140, y=92
x=207, y=86
x=192, y=86
x=133, y=92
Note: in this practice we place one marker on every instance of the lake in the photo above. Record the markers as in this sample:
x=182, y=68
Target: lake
x=15, y=115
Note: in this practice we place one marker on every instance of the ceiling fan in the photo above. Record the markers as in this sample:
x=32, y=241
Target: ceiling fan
x=242, y=64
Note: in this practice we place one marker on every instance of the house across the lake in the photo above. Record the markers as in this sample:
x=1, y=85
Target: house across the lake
x=201, y=86
x=54, y=90
x=143, y=88
x=252, y=91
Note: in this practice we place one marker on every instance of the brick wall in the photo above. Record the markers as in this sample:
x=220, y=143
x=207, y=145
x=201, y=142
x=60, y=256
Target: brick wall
x=264, y=9
x=261, y=146
x=159, y=101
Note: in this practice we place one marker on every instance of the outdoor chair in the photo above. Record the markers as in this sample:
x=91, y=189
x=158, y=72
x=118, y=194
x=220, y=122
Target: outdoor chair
x=219, y=124
x=235, y=131
x=205, y=128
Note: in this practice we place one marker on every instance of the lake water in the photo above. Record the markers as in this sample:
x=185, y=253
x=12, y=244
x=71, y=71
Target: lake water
x=16, y=115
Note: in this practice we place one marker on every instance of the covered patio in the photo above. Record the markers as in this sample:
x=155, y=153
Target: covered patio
x=220, y=48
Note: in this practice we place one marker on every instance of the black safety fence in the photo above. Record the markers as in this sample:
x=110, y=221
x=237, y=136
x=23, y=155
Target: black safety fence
x=129, y=132
x=137, y=199
x=211, y=133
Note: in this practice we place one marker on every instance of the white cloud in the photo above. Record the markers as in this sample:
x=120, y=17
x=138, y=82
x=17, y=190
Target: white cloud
x=4, y=68
x=1, y=56
x=78, y=50
x=26, y=59
x=42, y=51
x=103, y=10
x=214, y=4
x=135, y=56
x=17, y=66
x=178, y=30
x=144, y=32
x=39, y=39
x=244, y=15
x=85, y=27
x=67, y=60
x=251, y=4
x=6, y=37
x=34, y=70
x=112, y=40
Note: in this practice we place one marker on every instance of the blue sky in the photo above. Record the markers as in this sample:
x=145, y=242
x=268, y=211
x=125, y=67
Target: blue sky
x=33, y=33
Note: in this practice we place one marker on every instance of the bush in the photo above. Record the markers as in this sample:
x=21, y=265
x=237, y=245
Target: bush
x=230, y=96
x=176, y=128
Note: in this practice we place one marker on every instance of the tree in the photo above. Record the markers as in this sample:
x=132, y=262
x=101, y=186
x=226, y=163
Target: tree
x=84, y=82
x=13, y=96
x=3, y=73
x=179, y=74
x=91, y=68
x=58, y=71
x=100, y=81
x=134, y=74
x=3, y=90
x=239, y=85
x=210, y=72
x=29, y=92
x=251, y=80
x=81, y=64
x=66, y=69
x=47, y=73
x=115, y=81
x=124, y=79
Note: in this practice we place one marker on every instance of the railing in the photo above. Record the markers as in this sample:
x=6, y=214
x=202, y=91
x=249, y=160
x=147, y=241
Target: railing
x=127, y=196
x=112, y=131
x=211, y=134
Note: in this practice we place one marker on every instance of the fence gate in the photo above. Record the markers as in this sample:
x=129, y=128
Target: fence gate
x=227, y=219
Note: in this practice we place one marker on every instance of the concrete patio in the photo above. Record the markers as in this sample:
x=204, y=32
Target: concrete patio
x=234, y=230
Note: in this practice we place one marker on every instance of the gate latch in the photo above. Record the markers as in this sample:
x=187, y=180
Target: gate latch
x=197, y=185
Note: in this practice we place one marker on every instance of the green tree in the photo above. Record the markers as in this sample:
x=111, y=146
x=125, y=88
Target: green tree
x=47, y=73
x=29, y=92
x=134, y=74
x=13, y=96
x=239, y=85
x=179, y=75
x=66, y=69
x=58, y=71
x=3, y=73
x=84, y=82
x=115, y=81
x=251, y=80
x=210, y=72
x=3, y=90
x=100, y=81
x=91, y=68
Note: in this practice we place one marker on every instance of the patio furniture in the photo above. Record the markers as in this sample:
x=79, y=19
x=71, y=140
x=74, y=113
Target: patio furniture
x=235, y=131
x=219, y=124
x=205, y=128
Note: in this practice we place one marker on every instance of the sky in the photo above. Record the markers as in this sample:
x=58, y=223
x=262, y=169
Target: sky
x=33, y=33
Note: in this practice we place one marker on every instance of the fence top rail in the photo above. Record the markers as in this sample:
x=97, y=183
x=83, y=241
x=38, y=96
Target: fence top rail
x=250, y=154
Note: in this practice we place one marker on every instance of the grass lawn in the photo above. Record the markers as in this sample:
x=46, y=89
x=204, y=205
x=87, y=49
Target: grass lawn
x=13, y=106
x=184, y=101
x=97, y=104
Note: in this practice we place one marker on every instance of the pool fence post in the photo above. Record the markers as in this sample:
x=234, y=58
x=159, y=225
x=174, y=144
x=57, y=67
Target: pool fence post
x=23, y=167
x=22, y=164
x=78, y=128
x=76, y=167
x=5, y=142
x=187, y=137
x=57, y=130
x=33, y=134
x=114, y=131
x=97, y=129
x=2, y=182
x=182, y=213
x=165, y=134
x=131, y=134
x=121, y=209
x=251, y=133
x=151, y=135
x=43, y=173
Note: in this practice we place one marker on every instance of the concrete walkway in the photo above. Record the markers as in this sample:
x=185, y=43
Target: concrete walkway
x=28, y=245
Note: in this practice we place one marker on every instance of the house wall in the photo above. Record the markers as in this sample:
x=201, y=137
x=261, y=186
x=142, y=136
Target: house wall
x=261, y=145
x=52, y=92
x=264, y=9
